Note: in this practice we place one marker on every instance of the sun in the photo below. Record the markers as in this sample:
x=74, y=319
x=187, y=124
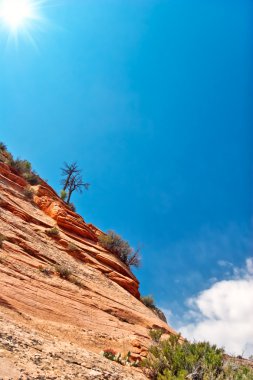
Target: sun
x=16, y=14
x=23, y=20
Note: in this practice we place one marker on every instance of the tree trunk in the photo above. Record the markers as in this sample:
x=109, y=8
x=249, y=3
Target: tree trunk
x=67, y=182
x=69, y=196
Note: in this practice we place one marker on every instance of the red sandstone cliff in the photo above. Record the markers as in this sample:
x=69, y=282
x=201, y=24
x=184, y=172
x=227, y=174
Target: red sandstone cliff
x=55, y=327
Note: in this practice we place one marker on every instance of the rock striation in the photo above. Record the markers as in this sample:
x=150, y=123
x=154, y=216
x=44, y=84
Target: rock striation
x=64, y=298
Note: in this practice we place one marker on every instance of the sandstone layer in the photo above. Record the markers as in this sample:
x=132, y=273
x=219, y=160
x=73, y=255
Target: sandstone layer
x=55, y=326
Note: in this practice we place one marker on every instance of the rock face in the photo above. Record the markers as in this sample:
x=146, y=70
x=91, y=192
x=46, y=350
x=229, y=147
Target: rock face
x=63, y=297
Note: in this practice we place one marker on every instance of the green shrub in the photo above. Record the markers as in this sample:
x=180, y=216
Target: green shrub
x=109, y=354
x=173, y=360
x=170, y=359
x=117, y=357
x=53, y=232
x=155, y=335
x=235, y=371
x=3, y=147
x=20, y=166
x=5, y=157
x=32, y=178
x=72, y=247
x=63, y=195
x=167, y=375
x=121, y=248
x=149, y=302
x=24, y=169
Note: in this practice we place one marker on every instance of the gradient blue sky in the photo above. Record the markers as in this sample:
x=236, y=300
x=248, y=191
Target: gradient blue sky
x=154, y=100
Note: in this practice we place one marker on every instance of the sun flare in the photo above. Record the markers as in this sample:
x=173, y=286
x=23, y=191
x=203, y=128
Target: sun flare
x=16, y=13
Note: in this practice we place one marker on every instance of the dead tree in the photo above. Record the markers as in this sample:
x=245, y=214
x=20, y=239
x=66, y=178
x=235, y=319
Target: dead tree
x=68, y=171
x=76, y=183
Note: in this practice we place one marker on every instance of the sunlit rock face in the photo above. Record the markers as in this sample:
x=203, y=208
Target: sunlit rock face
x=66, y=320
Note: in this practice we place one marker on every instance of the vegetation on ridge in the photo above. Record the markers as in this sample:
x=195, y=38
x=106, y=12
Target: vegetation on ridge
x=172, y=359
x=149, y=302
x=121, y=248
x=20, y=167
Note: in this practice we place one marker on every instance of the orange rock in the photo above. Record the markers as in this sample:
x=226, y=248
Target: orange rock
x=6, y=172
x=94, y=306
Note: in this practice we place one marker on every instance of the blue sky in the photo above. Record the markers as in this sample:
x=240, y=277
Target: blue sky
x=154, y=100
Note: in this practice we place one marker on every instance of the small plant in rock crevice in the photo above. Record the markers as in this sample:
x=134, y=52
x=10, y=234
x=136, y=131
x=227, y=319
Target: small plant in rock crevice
x=63, y=272
x=109, y=354
x=46, y=271
x=119, y=358
x=52, y=232
x=72, y=247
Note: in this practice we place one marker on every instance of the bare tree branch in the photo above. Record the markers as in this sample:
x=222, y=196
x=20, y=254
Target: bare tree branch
x=68, y=171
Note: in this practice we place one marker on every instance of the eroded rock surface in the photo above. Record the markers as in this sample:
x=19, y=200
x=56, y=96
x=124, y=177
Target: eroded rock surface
x=52, y=326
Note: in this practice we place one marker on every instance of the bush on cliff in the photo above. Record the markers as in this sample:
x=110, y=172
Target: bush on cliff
x=170, y=359
x=173, y=360
x=4, y=154
x=32, y=178
x=63, y=195
x=20, y=167
x=63, y=271
x=121, y=248
x=3, y=147
x=53, y=232
x=149, y=302
x=24, y=168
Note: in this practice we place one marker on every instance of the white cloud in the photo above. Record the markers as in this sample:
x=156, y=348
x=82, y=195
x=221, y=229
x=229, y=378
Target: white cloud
x=249, y=264
x=223, y=314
